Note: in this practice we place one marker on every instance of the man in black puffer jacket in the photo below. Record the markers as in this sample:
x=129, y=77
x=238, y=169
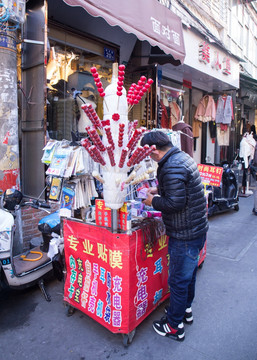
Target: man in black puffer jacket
x=180, y=197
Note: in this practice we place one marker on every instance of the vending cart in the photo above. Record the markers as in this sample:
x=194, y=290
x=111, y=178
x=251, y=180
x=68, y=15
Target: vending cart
x=116, y=279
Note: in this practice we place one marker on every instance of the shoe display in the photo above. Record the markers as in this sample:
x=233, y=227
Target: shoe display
x=163, y=328
x=188, y=317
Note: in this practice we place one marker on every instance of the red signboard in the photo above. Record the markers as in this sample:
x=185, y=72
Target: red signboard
x=187, y=84
x=116, y=279
x=103, y=215
x=211, y=175
x=10, y=179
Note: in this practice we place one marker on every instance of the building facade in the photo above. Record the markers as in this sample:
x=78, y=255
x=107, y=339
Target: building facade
x=194, y=50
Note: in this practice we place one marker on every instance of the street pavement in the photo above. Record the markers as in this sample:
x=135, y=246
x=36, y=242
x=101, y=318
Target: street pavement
x=225, y=315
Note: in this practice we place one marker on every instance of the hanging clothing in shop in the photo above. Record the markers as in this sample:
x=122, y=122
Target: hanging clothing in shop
x=206, y=109
x=253, y=131
x=243, y=127
x=180, y=102
x=165, y=116
x=212, y=129
x=175, y=114
x=247, y=146
x=186, y=137
x=223, y=135
x=224, y=113
x=196, y=124
x=196, y=128
x=248, y=127
x=223, y=153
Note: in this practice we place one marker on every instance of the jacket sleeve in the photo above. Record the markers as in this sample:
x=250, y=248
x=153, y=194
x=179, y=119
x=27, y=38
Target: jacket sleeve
x=213, y=110
x=187, y=142
x=173, y=193
x=199, y=112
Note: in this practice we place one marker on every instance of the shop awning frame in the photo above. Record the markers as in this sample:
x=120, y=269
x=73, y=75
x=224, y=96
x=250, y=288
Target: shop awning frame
x=147, y=19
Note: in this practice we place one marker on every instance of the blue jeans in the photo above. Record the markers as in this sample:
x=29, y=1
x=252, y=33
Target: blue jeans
x=182, y=276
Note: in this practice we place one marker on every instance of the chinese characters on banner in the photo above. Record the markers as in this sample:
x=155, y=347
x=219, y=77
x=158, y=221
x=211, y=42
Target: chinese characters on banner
x=165, y=31
x=103, y=216
x=112, y=277
x=205, y=57
x=211, y=175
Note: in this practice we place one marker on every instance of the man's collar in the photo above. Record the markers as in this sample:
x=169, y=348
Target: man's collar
x=167, y=154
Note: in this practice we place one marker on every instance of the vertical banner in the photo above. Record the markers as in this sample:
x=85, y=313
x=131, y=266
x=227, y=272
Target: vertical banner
x=115, y=279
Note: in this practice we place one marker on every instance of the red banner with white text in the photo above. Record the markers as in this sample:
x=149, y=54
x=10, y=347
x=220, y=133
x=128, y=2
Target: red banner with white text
x=116, y=279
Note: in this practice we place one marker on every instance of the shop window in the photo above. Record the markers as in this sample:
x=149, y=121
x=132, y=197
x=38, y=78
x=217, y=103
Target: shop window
x=68, y=74
x=145, y=110
x=174, y=104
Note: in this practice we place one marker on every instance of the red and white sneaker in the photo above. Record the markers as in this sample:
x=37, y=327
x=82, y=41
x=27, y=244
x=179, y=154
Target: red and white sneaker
x=163, y=328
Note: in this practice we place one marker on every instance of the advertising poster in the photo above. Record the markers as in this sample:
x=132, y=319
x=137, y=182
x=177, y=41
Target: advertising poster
x=211, y=175
x=116, y=279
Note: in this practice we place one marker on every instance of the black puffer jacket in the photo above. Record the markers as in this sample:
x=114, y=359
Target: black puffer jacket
x=182, y=200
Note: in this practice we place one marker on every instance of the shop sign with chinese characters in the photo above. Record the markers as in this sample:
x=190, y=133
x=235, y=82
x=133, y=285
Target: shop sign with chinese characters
x=206, y=62
x=211, y=175
x=214, y=58
x=114, y=278
x=165, y=31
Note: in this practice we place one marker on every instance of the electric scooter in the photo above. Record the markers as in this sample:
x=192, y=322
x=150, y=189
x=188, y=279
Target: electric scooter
x=224, y=197
x=32, y=266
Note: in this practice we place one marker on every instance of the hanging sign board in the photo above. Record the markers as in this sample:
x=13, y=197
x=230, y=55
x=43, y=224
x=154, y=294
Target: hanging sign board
x=211, y=175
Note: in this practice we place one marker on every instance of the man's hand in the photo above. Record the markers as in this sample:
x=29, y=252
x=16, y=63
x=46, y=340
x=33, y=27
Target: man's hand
x=152, y=190
x=148, y=200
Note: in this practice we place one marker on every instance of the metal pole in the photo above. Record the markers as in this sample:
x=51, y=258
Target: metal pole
x=114, y=221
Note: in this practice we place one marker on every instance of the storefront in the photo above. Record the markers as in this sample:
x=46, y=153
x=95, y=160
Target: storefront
x=102, y=35
x=209, y=73
x=68, y=73
x=247, y=99
x=76, y=37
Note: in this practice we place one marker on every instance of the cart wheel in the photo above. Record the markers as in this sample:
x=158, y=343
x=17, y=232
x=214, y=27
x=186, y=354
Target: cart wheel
x=236, y=207
x=127, y=338
x=201, y=265
x=69, y=310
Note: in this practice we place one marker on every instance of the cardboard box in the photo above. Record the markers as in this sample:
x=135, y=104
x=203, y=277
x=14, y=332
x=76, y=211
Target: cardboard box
x=103, y=215
x=124, y=217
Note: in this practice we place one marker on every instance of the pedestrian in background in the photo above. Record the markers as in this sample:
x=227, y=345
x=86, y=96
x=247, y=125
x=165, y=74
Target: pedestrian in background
x=180, y=197
x=253, y=170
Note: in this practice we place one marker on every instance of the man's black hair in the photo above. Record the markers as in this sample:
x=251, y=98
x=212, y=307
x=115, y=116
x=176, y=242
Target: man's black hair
x=157, y=138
